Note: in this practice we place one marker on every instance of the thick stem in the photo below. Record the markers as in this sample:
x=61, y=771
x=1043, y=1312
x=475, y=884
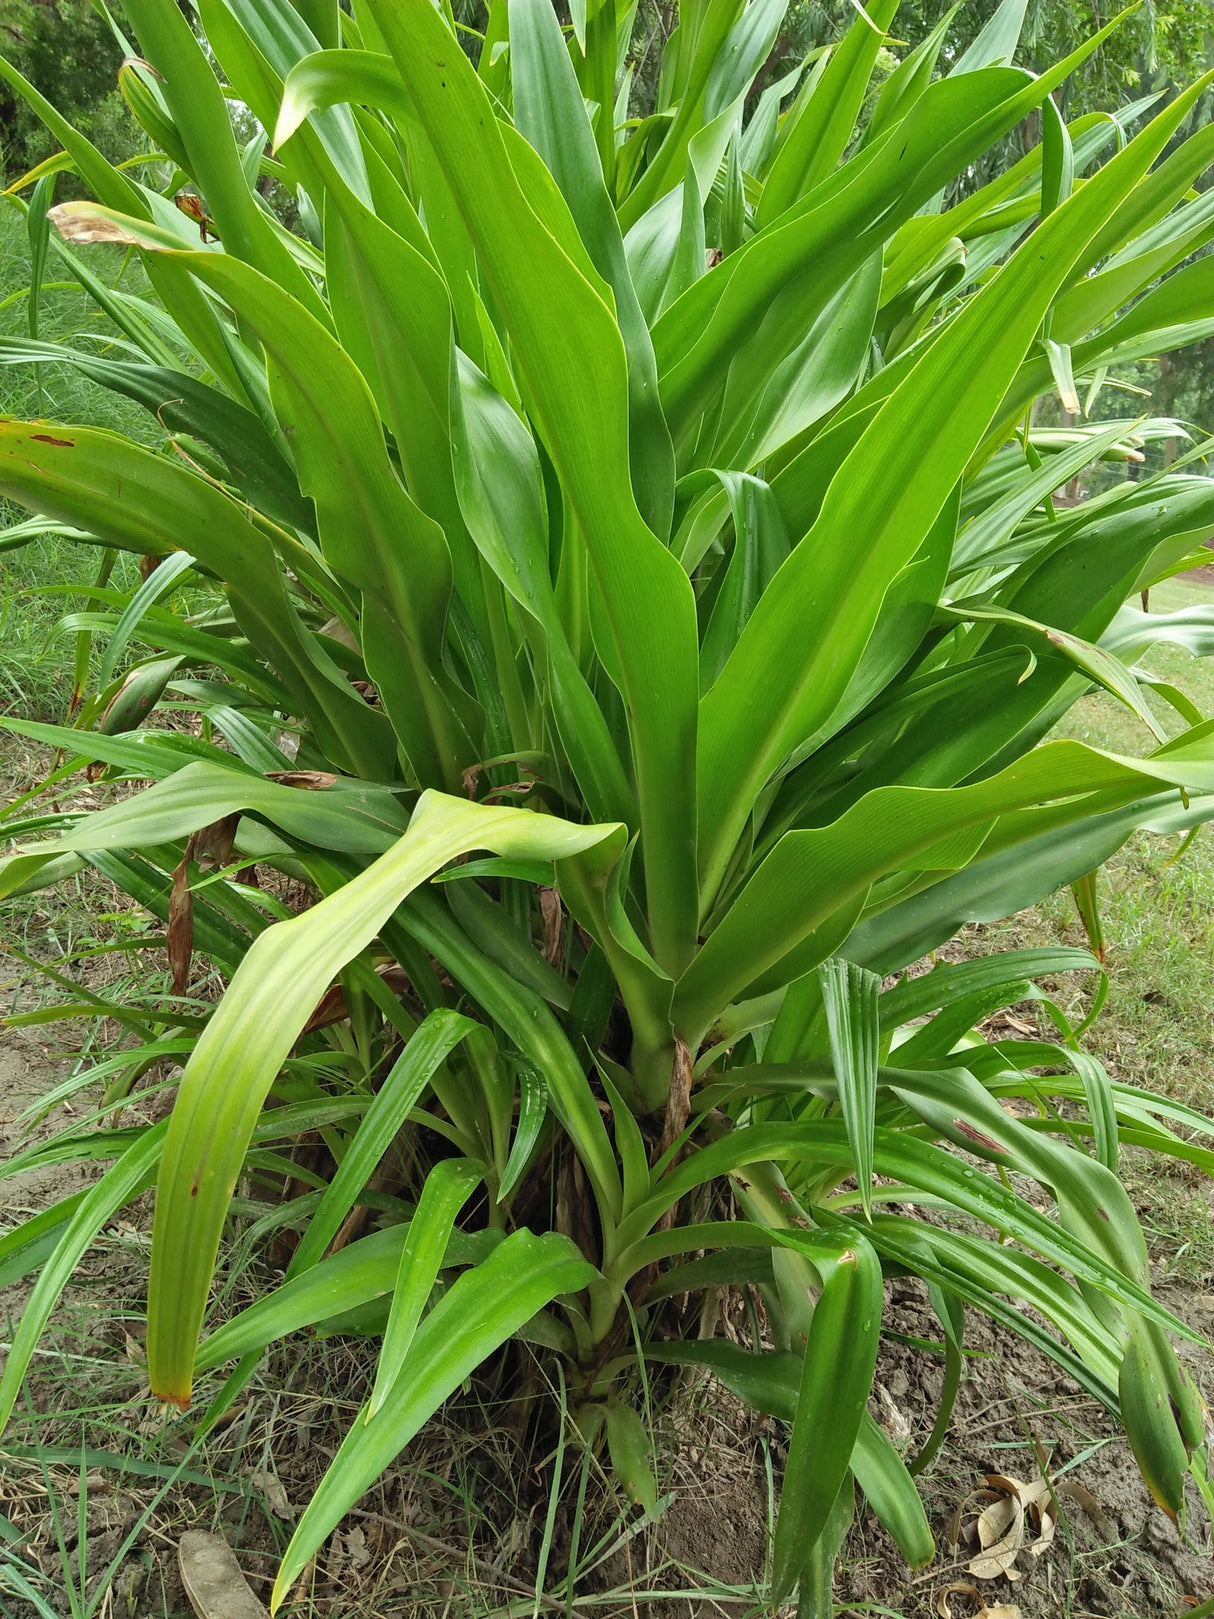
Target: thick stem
x=652, y=1064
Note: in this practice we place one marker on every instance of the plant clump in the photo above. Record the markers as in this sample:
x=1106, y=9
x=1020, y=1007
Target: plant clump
x=639, y=602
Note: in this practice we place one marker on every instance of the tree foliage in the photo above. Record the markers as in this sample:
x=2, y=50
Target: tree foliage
x=68, y=50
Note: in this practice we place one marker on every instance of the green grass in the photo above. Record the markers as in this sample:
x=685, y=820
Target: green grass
x=1156, y=901
x=79, y=930
x=35, y=661
x=1157, y=1028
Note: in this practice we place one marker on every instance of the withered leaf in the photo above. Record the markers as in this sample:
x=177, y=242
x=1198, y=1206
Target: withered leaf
x=213, y=844
x=331, y=1007
x=974, y=1596
x=180, y=937
x=213, y=1580
x=678, y=1100
x=553, y=913
x=269, y=1486
x=995, y=1520
x=311, y=780
x=1083, y=1497
x=78, y=222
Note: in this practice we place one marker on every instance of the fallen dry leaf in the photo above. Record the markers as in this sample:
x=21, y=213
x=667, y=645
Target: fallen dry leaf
x=356, y=1548
x=1000, y=1559
x=1001, y=1524
x=271, y=1488
x=1083, y=1497
x=944, y=1606
x=995, y=1521
x=213, y=1580
x=962, y=1588
x=893, y=1419
x=1036, y=1490
x=1045, y=1524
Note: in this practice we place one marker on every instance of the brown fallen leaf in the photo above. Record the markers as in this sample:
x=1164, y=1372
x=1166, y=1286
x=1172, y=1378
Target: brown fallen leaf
x=270, y=1487
x=1083, y=1497
x=1001, y=1524
x=356, y=1548
x=999, y=1559
x=962, y=1588
x=953, y=1530
x=1026, y=1494
x=945, y=1608
x=1045, y=1524
x=213, y=1580
x=995, y=1520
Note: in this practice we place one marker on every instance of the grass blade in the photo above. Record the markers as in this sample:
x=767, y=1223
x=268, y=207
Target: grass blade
x=851, y=998
x=428, y=1047
x=448, y=1187
x=484, y=1308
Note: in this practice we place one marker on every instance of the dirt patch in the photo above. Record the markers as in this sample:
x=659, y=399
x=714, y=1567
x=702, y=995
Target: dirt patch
x=1118, y=1555
x=1114, y=1552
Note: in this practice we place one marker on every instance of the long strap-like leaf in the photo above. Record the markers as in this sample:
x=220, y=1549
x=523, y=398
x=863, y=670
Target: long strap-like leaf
x=244, y=1045
x=572, y=361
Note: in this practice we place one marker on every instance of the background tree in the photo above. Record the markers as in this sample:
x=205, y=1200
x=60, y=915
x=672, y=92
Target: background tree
x=67, y=49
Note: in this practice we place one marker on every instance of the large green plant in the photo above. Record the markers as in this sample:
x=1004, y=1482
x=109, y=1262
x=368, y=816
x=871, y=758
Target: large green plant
x=674, y=479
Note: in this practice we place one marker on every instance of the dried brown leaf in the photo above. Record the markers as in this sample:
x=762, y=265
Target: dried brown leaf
x=553, y=913
x=1045, y=1524
x=76, y=222
x=957, y=1588
x=971, y=1592
x=953, y=1530
x=356, y=1548
x=995, y=1521
x=999, y=1558
x=180, y=935
x=213, y=1580
x=270, y=1487
x=1083, y=1497
x=331, y=1007
x=313, y=781
x=678, y=1100
x=212, y=845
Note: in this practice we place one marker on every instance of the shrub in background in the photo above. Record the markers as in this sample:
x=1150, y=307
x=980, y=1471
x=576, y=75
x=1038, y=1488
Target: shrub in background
x=643, y=600
x=68, y=50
